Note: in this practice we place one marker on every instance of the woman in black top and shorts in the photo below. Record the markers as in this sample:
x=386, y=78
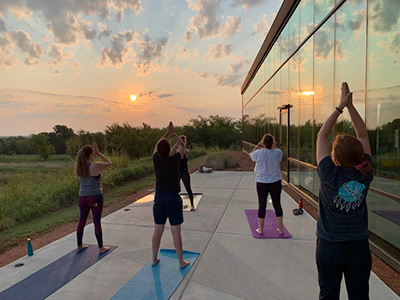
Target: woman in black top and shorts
x=184, y=171
x=167, y=202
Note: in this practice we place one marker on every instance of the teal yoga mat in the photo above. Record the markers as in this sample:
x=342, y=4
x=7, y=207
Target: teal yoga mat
x=50, y=278
x=160, y=281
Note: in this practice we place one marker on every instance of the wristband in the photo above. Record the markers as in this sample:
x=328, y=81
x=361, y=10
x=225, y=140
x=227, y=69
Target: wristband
x=339, y=110
x=259, y=145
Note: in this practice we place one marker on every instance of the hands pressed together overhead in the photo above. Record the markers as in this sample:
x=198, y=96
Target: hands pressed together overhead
x=346, y=98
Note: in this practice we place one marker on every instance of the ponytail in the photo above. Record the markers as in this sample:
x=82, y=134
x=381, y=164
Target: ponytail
x=364, y=166
x=81, y=166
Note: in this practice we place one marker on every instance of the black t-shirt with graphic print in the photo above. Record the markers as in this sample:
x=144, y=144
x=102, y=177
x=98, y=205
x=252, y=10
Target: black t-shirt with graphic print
x=342, y=214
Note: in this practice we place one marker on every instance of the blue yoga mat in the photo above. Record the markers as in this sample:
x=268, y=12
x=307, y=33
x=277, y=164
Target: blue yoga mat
x=49, y=279
x=160, y=281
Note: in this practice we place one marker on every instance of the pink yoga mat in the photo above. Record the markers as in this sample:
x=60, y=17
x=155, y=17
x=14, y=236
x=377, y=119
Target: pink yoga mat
x=270, y=231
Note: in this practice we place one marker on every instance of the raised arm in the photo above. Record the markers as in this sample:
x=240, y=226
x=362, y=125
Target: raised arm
x=359, y=125
x=96, y=168
x=168, y=133
x=258, y=146
x=323, y=147
x=174, y=148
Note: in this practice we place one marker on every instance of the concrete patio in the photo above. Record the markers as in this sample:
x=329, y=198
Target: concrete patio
x=232, y=264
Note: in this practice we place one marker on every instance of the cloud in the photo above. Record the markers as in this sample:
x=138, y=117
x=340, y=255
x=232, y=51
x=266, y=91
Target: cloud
x=392, y=45
x=188, y=35
x=116, y=53
x=231, y=80
x=262, y=27
x=184, y=52
x=358, y=18
x=22, y=39
x=247, y=4
x=33, y=50
x=63, y=18
x=165, y=95
x=154, y=96
x=3, y=25
x=218, y=51
x=384, y=15
x=150, y=56
x=89, y=33
x=105, y=31
x=191, y=74
x=233, y=25
x=323, y=44
x=57, y=55
x=205, y=24
x=240, y=65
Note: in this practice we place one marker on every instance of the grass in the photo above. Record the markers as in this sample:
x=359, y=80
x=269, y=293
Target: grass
x=17, y=233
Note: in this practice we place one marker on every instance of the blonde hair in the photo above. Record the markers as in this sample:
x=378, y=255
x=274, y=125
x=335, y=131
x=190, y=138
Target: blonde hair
x=183, y=137
x=81, y=165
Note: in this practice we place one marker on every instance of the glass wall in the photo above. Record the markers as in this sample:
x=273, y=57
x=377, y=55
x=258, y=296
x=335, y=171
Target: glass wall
x=359, y=43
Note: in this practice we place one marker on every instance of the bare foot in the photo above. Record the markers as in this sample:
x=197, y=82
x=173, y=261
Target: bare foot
x=280, y=231
x=192, y=209
x=184, y=264
x=81, y=248
x=155, y=262
x=259, y=231
x=103, y=249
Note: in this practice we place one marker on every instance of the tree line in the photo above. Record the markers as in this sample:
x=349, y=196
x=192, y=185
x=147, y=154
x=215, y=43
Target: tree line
x=136, y=142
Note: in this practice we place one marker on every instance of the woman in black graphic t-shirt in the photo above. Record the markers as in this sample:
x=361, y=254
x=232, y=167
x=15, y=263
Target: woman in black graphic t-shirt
x=345, y=173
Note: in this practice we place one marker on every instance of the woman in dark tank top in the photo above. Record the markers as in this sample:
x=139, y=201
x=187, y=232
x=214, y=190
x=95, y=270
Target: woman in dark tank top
x=184, y=171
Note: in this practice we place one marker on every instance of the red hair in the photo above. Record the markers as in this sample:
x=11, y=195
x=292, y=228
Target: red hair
x=349, y=153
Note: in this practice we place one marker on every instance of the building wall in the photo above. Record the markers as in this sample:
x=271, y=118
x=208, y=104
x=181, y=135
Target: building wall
x=359, y=43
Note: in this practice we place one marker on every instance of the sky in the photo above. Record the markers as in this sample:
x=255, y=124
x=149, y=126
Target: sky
x=76, y=63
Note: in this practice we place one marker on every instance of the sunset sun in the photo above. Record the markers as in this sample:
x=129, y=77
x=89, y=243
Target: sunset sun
x=133, y=97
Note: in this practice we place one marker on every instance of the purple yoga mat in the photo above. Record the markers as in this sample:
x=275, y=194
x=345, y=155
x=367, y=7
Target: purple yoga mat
x=270, y=231
x=391, y=215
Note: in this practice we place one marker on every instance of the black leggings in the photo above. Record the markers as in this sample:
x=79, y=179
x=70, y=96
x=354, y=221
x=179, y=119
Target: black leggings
x=275, y=189
x=185, y=176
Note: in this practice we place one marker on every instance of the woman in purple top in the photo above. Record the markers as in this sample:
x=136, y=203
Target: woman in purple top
x=345, y=172
x=90, y=191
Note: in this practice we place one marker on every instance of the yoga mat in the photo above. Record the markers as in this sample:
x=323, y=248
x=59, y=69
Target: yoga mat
x=50, y=278
x=160, y=281
x=270, y=226
x=391, y=215
x=186, y=200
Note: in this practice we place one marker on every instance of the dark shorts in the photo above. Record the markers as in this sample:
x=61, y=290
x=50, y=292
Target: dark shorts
x=168, y=206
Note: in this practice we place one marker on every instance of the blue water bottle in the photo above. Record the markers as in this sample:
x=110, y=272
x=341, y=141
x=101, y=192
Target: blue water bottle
x=30, y=249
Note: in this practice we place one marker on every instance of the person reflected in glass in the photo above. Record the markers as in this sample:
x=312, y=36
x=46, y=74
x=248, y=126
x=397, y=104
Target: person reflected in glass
x=90, y=192
x=268, y=157
x=184, y=170
x=345, y=171
x=167, y=201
